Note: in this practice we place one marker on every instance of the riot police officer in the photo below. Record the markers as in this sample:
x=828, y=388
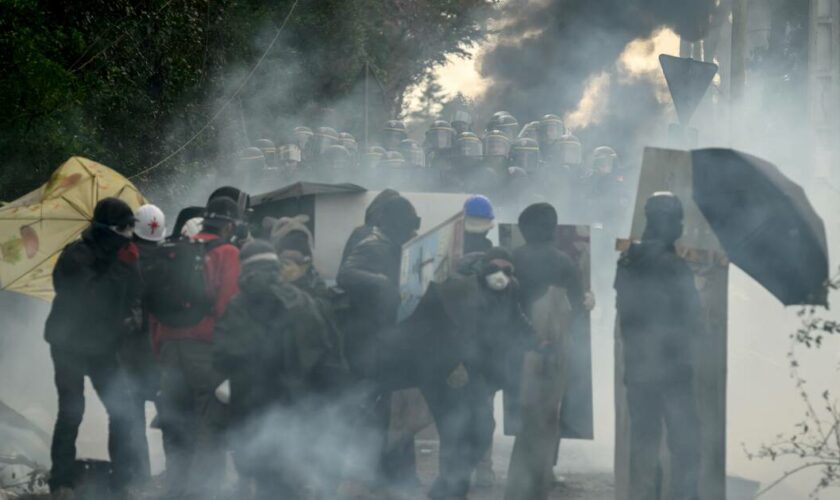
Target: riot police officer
x=505, y=123
x=269, y=151
x=393, y=134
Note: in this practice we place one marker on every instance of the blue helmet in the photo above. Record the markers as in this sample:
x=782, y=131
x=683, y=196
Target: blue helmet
x=479, y=206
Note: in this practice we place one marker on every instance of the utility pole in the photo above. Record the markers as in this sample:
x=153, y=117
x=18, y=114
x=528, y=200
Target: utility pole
x=824, y=85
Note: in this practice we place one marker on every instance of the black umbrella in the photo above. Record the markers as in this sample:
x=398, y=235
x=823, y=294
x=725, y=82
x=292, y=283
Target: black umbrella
x=764, y=222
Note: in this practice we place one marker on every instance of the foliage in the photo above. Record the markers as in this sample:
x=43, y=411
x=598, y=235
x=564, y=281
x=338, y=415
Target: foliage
x=815, y=441
x=127, y=82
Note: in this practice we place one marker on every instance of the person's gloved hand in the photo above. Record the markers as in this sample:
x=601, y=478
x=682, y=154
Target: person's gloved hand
x=458, y=378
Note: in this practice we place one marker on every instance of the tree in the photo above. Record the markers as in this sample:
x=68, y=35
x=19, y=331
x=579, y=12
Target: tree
x=129, y=82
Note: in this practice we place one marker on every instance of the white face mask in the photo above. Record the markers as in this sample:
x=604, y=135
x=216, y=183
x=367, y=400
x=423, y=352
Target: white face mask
x=125, y=233
x=497, y=281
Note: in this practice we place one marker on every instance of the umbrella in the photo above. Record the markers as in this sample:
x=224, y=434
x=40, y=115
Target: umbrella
x=765, y=223
x=35, y=228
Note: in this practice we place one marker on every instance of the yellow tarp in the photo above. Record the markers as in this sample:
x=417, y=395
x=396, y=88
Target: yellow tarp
x=35, y=228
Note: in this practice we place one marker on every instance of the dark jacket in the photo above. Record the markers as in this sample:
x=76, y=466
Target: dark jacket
x=97, y=293
x=370, y=279
x=474, y=242
x=271, y=344
x=659, y=312
x=540, y=265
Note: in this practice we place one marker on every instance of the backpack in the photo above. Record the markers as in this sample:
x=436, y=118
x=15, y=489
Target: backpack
x=175, y=287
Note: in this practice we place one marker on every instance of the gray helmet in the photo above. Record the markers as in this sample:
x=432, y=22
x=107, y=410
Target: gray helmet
x=570, y=150
x=393, y=134
x=525, y=154
x=323, y=138
x=392, y=160
x=551, y=129
x=461, y=121
x=468, y=145
x=496, y=143
x=251, y=159
x=347, y=140
x=372, y=156
x=337, y=157
x=289, y=153
x=440, y=136
x=268, y=149
x=301, y=136
x=503, y=122
x=604, y=160
x=413, y=153
x=529, y=131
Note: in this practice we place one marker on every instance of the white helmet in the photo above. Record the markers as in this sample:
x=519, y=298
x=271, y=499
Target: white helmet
x=192, y=227
x=150, y=223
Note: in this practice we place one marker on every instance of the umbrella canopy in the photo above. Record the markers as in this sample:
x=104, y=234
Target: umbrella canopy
x=35, y=228
x=764, y=222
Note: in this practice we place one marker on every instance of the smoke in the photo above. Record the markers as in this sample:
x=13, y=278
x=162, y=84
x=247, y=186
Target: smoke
x=565, y=57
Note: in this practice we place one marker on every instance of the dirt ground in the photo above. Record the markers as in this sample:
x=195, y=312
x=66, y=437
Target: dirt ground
x=575, y=485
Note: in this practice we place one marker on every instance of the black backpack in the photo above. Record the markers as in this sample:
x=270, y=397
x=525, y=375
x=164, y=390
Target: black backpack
x=175, y=287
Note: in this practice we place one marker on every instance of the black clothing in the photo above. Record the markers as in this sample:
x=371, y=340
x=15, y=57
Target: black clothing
x=476, y=242
x=540, y=265
x=372, y=218
x=71, y=367
x=659, y=314
x=370, y=277
x=96, y=294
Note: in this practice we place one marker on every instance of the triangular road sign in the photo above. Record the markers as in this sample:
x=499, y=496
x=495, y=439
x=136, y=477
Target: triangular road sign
x=688, y=81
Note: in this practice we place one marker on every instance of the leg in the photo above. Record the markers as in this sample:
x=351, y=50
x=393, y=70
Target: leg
x=207, y=467
x=683, y=424
x=176, y=417
x=645, y=408
x=110, y=384
x=70, y=384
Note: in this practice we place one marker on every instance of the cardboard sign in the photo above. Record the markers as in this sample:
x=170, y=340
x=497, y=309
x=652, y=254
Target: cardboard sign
x=432, y=256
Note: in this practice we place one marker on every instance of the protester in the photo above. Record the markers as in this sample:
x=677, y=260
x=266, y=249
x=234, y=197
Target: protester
x=471, y=324
x=372, y=217
x=660, y=316
x=96, y=308
x=370, y=277
x=187, y=303
x=271, y=343
x=136, y=354
x=478, y=221
x=551, y=293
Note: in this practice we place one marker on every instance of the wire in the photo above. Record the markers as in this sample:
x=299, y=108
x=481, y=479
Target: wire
x=227, y=103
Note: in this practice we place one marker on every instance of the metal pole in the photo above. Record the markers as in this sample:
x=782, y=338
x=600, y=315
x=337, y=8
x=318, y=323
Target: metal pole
x=367, y=71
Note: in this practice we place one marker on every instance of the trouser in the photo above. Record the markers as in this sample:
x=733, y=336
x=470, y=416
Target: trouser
x=650, y=404
x=143, y=379
x=465, y=424
x=109, y=383
x=192, y=419
x=534, y=450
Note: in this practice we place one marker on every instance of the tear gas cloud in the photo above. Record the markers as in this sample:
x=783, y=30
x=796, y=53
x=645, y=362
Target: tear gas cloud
x=590, y=62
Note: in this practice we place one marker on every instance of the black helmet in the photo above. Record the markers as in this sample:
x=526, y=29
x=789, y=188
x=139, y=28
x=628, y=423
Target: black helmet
x=551, y=129
x=413, y=153
x=503, y=122
x=440, y=136
x=468, y=145
x=664, y=203
x=525, y=153
x=496, y=143
x=113, y=212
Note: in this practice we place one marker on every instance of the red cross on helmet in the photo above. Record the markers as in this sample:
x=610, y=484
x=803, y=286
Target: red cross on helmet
x=150, y=223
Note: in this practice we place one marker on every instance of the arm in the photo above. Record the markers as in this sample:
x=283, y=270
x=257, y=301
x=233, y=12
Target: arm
x=226, y=277
x=364, y=270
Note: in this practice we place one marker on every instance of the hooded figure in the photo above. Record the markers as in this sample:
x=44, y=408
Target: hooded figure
x=293, y=242
x=660, y=314
x=270, y=344
x=372, y=215
x=457, y=348
x=96, y=309
x=370, y=278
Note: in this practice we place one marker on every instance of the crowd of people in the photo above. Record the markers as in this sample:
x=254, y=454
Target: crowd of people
x=226, y=326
